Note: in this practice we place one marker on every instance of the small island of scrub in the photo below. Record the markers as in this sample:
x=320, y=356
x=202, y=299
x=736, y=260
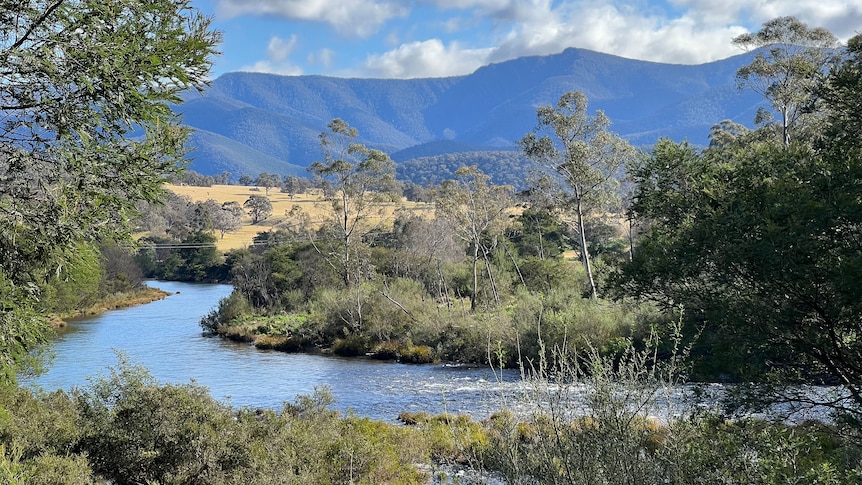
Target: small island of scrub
x=294, y=333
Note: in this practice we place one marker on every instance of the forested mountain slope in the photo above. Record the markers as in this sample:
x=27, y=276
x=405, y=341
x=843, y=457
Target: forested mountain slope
x=249, y=122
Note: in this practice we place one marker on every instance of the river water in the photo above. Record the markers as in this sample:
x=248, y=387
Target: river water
x=166, y=338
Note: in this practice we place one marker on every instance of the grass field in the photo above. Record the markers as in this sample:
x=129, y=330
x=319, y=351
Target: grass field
x=311, y=203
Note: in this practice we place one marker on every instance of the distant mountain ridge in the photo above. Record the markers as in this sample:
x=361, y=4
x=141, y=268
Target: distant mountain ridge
x=254, y=122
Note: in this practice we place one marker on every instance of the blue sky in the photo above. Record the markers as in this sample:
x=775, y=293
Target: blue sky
x=438, y=38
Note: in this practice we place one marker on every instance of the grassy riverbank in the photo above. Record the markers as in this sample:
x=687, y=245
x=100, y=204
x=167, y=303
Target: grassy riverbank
x=135, y=296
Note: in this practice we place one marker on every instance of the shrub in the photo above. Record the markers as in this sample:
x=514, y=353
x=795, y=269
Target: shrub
x=351, y=346
x=229, y=309
x=418, y=354
x=281, y=343
x=388, y=350
x=139, y=432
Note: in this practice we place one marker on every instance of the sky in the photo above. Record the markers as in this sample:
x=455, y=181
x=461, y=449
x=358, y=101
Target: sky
x=440, y=38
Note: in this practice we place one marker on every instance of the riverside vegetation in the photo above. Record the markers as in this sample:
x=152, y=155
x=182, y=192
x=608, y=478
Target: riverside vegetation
x=738, y=261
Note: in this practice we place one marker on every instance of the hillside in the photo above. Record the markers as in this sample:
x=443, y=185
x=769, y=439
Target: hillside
x=253, y=122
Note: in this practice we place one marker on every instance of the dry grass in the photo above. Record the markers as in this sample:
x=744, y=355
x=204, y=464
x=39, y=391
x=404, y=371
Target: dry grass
x=311, y=203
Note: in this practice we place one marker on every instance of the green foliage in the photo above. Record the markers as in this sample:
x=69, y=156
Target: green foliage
x=474, y=208
x=360, y=177
x=505, y=167
x=418, y=354
x=22, y=327
x=138, y=432
x=761, y=248
x=539, y=233
x=229, y=309
x=125, y=428
x=350, y=346
x=70, y=174
x=259, y=207
x=787, y=69
x=194, y=259
x=77, y=286
x=581, y=158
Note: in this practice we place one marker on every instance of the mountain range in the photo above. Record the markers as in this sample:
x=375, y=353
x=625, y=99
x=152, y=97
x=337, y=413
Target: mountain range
x=247, y=123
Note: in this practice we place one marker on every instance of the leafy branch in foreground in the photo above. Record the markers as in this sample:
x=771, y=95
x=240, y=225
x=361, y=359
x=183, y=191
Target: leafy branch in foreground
x=86, y=130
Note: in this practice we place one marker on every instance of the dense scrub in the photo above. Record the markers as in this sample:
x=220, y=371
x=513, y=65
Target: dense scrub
x=125, y=428
x=413, y=297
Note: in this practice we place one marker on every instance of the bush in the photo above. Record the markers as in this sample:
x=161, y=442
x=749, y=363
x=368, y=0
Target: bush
x=388, y=350
x=229, y=309
x=418, y=354
x=281, y=343
x=140, y=432
x=351, y=346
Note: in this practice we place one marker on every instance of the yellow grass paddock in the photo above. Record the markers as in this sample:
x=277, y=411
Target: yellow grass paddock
x=311, y=203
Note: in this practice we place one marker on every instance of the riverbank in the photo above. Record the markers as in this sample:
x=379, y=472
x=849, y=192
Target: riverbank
x=115, y=301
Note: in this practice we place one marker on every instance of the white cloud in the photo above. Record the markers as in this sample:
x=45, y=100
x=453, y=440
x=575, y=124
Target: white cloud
x=841, y=17
x=679, y=31
x=617, y=29
x=701, y=33
x=354, y=17
x=277, y=61
x=430, y=58
x=324, y=57
x=280, y=49
x=512, y=10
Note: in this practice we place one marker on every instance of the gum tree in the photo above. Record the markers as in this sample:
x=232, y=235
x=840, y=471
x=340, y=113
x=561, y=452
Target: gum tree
x=473, y=207
x=583, y=156
x=791, y=60
x=760, y=242
x=361, y=178
x=259, y=207
x=86, y=132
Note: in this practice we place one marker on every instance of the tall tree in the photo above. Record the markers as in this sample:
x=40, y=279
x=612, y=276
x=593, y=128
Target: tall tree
x=585, y=156
x=228, y=218
x=361, y=178
x=473, y=206
x=761, y=242
x=292, y=185
x=791, y=61
x=77, y=77
x=267, y=181
x=259, y=207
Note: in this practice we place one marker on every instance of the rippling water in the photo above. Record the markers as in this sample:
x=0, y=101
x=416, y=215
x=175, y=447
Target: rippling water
x=166, y=338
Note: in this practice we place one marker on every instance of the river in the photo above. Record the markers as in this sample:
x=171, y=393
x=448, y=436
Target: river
x=165, y=337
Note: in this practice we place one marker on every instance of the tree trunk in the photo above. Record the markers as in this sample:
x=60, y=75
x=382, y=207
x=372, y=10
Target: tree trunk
x=491, y=276
x=585, y=253
x=475, y=276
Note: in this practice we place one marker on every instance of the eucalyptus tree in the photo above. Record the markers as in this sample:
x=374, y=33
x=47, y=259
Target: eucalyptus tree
x=761, y=243
x=228, y=217
x=584, y=157
x=474, y=207
x=259, y=207
x=77, y=79
x=267, y=181
x=791, y=59
x=361, y=178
